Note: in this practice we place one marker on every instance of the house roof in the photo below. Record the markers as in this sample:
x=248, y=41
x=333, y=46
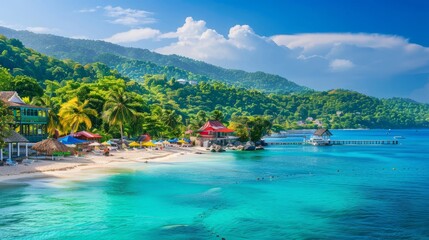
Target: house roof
x=14, y=137
x=322, y=132
x=12, y=99
x=85, y=134
x=143, y=138
x=6, y=95
x=49, y=146
x=214, y=126
x=12, y=104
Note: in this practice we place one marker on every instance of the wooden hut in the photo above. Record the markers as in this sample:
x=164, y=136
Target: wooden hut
x=49, y=146
x=323, y=133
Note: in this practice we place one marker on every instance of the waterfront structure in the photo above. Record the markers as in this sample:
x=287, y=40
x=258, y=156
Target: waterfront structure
x=14, y=141
x=30, y=121
x=323, y=133
x=84, y=135
x=214, y=132
x=320, y=138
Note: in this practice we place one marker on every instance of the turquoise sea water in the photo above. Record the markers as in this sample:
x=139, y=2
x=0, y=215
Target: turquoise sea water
x=284, y=192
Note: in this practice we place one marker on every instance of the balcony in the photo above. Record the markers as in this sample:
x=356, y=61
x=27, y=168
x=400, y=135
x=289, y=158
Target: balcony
x=33, y=119
x=213, y=136
x=35, y=138
x=207, y=136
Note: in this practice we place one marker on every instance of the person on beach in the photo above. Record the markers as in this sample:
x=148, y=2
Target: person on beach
x=106, y=152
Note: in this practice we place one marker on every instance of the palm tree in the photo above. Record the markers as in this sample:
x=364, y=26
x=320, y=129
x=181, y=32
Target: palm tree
x=172, y=121
x=118, y=110
x=46, y=101
x=217, y=115
x=170, y=118
x=74, y=113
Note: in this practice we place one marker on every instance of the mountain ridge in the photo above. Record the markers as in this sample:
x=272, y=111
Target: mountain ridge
x=27, y=71
x=88, y=51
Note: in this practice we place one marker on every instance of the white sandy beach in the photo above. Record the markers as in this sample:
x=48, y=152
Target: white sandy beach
x=93, y=165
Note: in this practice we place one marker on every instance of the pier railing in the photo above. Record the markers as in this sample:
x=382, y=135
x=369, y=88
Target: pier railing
x=342, y=142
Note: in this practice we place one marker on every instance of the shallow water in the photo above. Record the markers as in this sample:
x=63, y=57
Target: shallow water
x=284, y=192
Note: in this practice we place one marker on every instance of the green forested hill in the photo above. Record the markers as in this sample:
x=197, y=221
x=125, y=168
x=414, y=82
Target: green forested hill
x=136, y=69
x=160, y=98
x=334, y=109
x=88, y=51
x=27, y=62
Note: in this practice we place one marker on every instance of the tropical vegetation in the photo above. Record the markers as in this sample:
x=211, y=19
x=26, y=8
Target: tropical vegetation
x=5, y=123
x=135, y=62
x=97, y=98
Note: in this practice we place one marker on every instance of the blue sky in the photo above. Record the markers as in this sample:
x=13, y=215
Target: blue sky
x=376, y=47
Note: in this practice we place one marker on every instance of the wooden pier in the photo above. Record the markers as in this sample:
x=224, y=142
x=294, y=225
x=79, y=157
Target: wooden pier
x=364, y=142
x=285, y=143
x=344, y=142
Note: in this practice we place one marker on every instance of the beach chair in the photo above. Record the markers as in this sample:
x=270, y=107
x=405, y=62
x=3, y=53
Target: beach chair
x=27, y=161
x=97, y=152
x=10, y=162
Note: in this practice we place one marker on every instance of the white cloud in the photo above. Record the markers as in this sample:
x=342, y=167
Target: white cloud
x=89, y=10
x=340, y=64
x=41, y=29
x=128, y=16
x=312, y=40
x=358, y=61
x=36, y=29
x=361, y=62
x=195, y=40
x=242, y=37
x=13, y=26
x=134, y=35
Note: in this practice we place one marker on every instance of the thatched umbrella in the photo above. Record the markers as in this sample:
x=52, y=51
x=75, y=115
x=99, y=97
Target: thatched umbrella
x=49, y=146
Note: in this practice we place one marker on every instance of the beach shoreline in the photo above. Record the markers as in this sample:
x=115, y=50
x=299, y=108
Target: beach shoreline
x=93, y=166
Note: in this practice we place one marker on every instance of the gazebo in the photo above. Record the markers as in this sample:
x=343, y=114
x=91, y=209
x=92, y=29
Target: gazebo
x=14, y=137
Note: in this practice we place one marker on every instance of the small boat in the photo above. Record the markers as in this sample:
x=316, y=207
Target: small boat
x=399, y=137
x=319, y=141
x=259, y=148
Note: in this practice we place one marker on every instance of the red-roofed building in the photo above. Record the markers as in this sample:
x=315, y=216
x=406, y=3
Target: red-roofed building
x=144, y=138
x=214, y=132
x=84, y=135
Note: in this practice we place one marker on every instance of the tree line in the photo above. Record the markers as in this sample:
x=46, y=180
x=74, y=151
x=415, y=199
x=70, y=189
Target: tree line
x=97, y=98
